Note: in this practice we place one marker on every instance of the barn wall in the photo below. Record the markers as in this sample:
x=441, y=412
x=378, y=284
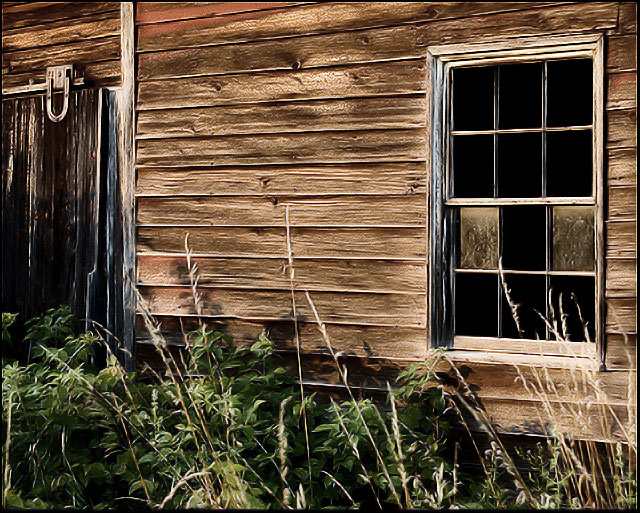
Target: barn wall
x=247, y=110
x=40, y=34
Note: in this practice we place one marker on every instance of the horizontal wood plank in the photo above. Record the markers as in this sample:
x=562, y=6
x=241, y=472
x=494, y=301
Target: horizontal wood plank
x=104, y=49
x=393, y=43
x=308, y=147
x=621, y=90
x=628, y=18
x=621, y=238
x=622, y=201
x=622, y=352
x=388, y=78
x=621, y=315
x=400, y=42
x=37, y=13
x=621, y=54
x=380, y=179
x=105, y=73
x=384, y=243
x=322, y=115
x=274, y=274
x=309, y=19
x=339, y=211
x=407, y=310
x=621, y=128
x=622, y=166
x=367, y=341
x=59, y=32
x=346, y=16
x=621, y=277
x=159, y=12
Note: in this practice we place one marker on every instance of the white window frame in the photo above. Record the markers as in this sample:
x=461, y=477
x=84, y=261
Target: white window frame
x=440, y=61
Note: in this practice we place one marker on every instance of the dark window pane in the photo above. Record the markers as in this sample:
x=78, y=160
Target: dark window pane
x=520, y=95
x=472, y=166
x=583, y=289
x=473, y=98
x=476, y=300
x=569, y=92
x=524, y=237
x=569, y=166
x=528, y=293
x=519, y=165
x=573, y=238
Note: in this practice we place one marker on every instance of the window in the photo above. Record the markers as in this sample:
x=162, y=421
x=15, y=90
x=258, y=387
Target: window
x=516, y=196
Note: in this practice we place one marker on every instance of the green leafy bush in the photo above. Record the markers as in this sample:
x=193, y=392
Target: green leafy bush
x=212, y=435
x=226, y=429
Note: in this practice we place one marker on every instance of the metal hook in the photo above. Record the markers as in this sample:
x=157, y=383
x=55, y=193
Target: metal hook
x=58, y=77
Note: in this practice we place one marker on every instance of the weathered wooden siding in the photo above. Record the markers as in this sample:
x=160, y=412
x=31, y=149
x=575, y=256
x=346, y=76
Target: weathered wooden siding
x=52, y=208
x=40, y=34
x=245, y=109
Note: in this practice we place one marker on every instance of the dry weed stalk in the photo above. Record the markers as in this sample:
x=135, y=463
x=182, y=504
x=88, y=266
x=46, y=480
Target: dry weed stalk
x=587, y=473
x=303, y=410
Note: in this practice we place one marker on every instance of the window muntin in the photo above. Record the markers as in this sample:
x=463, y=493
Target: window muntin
x=536, y=116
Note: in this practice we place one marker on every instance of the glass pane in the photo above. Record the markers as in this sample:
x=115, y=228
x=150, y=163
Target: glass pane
x=573, y=238
x=569, y=92
x=519, y=165
x=472, y=166
x=583, y=290
x=479, y=237
x=569, y=165
x=520, y=95
x=528, y=294
x=476, y=300
x=473, y=98
x=524, y=237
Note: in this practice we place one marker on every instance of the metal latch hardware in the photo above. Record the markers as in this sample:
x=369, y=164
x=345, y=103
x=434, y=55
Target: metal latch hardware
x=58, y=79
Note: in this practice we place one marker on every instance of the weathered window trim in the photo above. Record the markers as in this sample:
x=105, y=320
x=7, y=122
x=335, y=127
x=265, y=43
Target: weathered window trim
x=439, y=60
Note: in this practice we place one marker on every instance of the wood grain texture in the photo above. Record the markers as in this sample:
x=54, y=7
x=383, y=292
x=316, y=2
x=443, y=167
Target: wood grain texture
x=380, y=44
x=158, y=12
x=622, y=352
x=622, y=201
x=273, y=274
x=389, y=78
x=342, y=211
x=396, y=178
x=98, y=74
x=621, y=128
x=347, y=16
x=283, y=54
x=621, y=90
x=342, y=308
x=383, y=243
x=105, y=49
x=367, y=341
x=628, y=18
x=321, y=115
x=621, y=54
x=621, y=277
x=621, y=238
x=60, y=32
x=621, y=315
x=622, y=166
x=38, y=13
x=308, y=147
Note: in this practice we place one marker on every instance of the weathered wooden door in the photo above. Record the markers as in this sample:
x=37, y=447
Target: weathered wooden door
x=53, y=207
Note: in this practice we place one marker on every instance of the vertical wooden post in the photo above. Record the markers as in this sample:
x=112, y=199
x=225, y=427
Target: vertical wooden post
x=126, y=113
